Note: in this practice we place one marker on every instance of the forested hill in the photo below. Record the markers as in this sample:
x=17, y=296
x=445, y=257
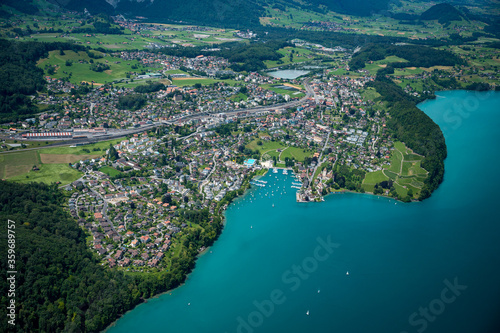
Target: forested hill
x=225, y=13
x=444, y=13
x=59, y=284
x=19, y=76
x=416, y=129
x=417, y=56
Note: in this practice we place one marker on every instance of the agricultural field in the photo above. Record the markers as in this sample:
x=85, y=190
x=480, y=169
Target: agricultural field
x=43, y=28
x=53, y=163
x=298, y=55
x=17, y=163
x=18, y=144
x=404, y=169
x=79, y=69
x=83, y=150
x=376, y=65
x=177, y=34
x=49, y=173
x=64, y=158
x=380, y=25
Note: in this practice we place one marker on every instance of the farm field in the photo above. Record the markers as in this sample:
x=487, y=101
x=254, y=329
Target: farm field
x=49, y=173
x=53, y=163
x=298, y=55
x=64, y=158
x=82, y=150
x=80, y=71
x=404, y=169
x=17, y=163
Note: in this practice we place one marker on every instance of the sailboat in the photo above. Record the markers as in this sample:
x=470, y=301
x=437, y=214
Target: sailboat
x=307, y=313
x=347, y=273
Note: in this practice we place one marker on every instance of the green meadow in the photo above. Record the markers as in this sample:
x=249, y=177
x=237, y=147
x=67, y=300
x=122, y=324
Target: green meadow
x=81, y=150
x=17, y=166
x=49, y=173
x=16, y=163
x=79, y=70
x=110, y=171
x=404, y=169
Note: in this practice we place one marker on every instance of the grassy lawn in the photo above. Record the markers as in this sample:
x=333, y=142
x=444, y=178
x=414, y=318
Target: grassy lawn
x=339, y=71
x=370, y=94
x=13, y=164
x=110, y=171
x=29, y=144
x=396, y=158
x=391, y=174
x=49, y=173
x=375, y=177
x=298, y=153
x=406, y=168
x=416, y=169
x=271, y=154
x=266, y=145
x=239, y=97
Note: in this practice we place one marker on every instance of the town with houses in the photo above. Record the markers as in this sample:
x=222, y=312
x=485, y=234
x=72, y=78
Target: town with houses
x=187, y=149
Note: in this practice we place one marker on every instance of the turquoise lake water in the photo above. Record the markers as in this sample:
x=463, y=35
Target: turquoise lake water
x=432, y=266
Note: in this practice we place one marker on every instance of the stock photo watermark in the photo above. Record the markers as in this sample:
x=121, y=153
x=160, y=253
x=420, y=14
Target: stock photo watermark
x=292, y=278
x=420, y=319
x=11, y=272
x=455, y=115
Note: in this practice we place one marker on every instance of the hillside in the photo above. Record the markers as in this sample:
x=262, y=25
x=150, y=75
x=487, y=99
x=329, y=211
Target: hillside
x=60, y=284
x=444, y=13
x=226, y=13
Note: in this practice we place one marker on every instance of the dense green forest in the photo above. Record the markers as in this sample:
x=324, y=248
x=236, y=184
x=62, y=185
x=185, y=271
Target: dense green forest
x=417, y=56
x=226, y=13
x=131, y=102
x=243, y=57
x=60, y=284
x=149, y=87
x=251, y=57
x=417, y=130
x=444, y=13
x=100, y=24
x=19, y=76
